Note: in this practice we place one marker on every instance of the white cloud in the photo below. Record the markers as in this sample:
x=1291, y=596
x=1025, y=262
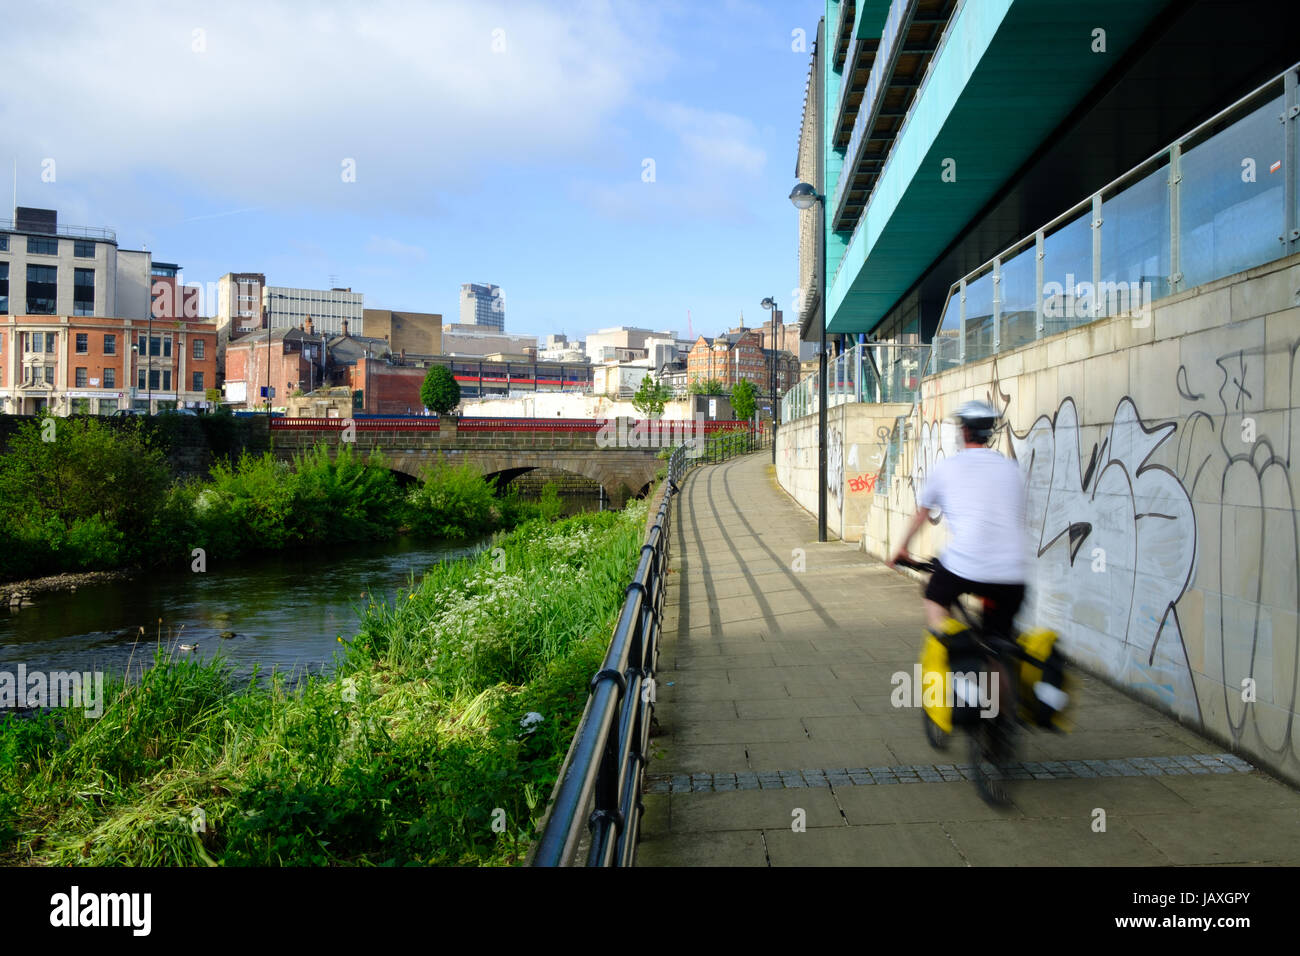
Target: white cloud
x=716, y=141
x=395, y=249
x=282, y=94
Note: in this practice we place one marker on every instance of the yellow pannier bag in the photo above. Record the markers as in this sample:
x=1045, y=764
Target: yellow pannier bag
x=934, y=661
x=1044, y=691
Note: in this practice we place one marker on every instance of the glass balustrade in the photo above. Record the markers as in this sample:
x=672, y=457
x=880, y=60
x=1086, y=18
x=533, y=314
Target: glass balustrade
x=1222, y=188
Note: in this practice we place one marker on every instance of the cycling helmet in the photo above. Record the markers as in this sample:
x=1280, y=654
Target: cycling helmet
x=979, y=419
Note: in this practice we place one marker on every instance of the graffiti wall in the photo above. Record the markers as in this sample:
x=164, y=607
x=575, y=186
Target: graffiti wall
x=855, y=451
x=1161, y=487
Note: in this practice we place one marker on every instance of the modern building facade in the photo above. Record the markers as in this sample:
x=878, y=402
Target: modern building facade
x=289, y=308
x=48, y=269
x=482, y=304
x=945, y=140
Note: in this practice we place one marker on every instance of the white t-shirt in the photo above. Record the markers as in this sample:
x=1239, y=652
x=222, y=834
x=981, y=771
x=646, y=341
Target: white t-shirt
x=982, y=499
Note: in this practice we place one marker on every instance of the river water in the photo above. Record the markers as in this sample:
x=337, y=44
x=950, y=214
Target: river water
x=287, y=610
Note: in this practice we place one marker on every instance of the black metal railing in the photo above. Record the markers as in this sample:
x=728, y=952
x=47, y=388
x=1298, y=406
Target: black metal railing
x=597, y=799
x=604, y=766
x=723, y=445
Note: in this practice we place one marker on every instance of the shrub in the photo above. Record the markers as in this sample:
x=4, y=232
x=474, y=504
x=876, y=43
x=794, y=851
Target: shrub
x=452, y=501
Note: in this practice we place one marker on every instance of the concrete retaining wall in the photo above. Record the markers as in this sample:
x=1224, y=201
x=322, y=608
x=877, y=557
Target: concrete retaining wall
x=1161, y=456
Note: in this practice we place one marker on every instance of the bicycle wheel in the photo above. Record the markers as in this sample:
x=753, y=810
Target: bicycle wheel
x=935, y=735
x=987, y=756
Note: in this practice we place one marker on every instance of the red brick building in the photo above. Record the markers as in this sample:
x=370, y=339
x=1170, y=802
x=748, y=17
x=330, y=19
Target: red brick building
x=739, y=356
x=168, y=299
x=387, y=389
x=88, y=365
x=296, y=360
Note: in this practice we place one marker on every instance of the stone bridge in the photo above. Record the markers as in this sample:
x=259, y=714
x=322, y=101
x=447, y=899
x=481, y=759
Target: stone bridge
x=499, y=447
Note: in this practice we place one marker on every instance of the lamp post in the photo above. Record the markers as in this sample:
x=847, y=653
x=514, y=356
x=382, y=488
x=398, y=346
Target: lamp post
x=804, y=196
x=770, y=303
x=148, y=360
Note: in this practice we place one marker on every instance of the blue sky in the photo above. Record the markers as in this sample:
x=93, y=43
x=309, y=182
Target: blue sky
x=499, y=142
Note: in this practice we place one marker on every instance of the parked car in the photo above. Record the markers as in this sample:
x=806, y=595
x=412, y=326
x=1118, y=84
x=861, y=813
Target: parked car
x=127, y=412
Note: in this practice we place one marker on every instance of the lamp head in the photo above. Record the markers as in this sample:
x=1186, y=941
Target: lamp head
x=804, y=196
x=768, y=303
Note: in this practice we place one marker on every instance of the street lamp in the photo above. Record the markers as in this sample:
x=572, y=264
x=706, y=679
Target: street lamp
x=805, y=196
x=770, y=303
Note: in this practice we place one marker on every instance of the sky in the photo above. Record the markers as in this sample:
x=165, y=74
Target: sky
x=605, y=163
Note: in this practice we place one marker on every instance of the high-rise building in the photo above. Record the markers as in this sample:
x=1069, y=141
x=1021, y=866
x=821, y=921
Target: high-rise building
x=483, y=304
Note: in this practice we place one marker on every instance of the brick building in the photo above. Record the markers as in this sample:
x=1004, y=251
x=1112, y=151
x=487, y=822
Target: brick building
x=91, y=365
x=738, y=356
x=296, y=360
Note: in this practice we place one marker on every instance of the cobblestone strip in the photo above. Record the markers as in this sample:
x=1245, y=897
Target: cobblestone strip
x=942, y=773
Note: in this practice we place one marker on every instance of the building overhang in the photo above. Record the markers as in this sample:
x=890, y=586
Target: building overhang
x=1009, y=72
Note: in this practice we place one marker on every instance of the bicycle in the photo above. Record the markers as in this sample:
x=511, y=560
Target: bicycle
x=1033, y=693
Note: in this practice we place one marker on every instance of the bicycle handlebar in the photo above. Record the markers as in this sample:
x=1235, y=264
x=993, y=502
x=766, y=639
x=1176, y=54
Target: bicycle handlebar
x=928, y=566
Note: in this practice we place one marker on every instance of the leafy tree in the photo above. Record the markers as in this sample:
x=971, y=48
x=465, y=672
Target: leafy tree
x=710, y=386
x=440, y=390
x=651, y=397
x=743, y=400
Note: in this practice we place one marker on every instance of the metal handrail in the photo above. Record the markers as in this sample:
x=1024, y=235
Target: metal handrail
x=67, y=232
x=606, y=762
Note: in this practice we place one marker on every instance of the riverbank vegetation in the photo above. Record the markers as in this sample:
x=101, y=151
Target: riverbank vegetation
x=436, y=740
x=99, y=497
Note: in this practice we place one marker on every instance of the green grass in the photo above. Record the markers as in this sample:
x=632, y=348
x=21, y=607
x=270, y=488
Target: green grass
x=405, y=754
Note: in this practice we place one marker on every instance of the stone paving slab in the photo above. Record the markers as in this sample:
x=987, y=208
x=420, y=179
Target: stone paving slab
x=918, y=844
x=773, y=696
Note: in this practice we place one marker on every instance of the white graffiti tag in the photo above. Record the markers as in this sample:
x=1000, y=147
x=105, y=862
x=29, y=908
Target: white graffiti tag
x=1115, y=541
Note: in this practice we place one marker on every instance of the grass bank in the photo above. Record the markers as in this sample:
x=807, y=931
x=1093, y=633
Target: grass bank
x=436, y=740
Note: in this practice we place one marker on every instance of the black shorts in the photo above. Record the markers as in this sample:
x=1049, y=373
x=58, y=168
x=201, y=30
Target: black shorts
x=944, y=588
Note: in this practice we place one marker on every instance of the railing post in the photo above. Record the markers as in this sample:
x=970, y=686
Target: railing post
x=961, y=326
x=997, y=305
x=1096, y=255
x=1039, y=253
x=1290, y=155
x=1175, y=217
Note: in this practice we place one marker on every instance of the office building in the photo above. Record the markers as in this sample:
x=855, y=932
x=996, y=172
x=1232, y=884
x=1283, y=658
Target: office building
x=290, y=307
x=483, y=305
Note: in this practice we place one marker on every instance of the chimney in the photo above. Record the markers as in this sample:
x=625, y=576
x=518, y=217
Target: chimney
x=345, y=328
x=309, y=325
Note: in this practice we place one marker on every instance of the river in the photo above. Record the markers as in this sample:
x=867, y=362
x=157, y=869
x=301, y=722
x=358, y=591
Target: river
x=286, y=610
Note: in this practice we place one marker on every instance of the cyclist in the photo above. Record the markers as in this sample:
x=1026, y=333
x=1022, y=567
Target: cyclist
x=980, y=494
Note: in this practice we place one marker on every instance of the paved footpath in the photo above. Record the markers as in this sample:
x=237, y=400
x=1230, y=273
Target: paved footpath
x=774, y=708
